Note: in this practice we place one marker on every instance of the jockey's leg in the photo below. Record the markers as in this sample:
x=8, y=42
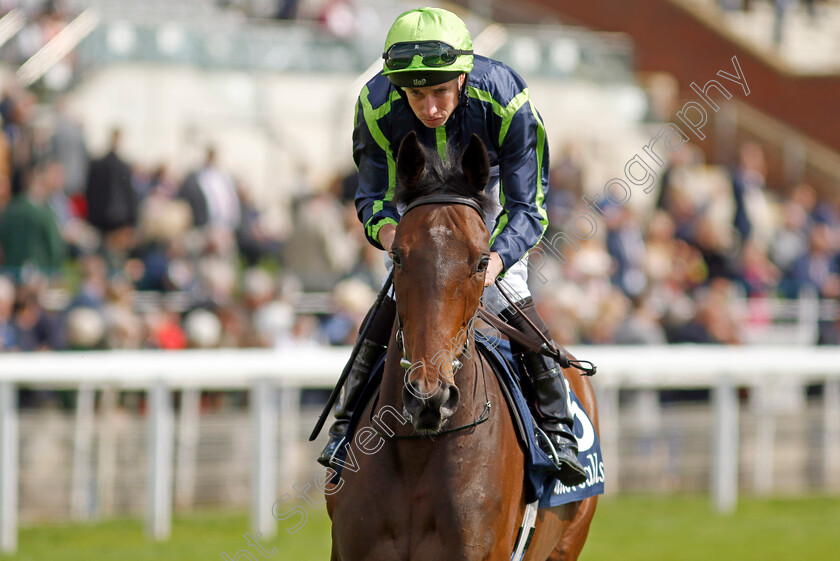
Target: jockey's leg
x=551, y=394
x=370, y=350
x=550, y=390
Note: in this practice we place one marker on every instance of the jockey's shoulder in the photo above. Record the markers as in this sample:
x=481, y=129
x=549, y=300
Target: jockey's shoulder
x=497, y=79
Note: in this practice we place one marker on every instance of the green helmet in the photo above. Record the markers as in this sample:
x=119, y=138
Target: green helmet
x=426, y=47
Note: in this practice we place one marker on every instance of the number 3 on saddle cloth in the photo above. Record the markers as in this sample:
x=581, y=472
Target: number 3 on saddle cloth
x=539, y=486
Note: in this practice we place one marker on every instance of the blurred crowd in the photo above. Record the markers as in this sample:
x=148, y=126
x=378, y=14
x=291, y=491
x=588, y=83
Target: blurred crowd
x=781, y=11
x=702, y=259
x=97, y=252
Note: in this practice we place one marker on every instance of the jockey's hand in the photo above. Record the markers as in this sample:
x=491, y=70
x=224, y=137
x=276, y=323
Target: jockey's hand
x=386, y=236
x=494, y=268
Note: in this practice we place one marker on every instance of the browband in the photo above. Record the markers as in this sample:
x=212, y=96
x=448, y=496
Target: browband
x=446, y=199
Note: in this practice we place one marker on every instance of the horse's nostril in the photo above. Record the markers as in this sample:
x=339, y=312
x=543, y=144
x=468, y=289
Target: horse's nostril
x=451, y=398
x=433, y=408
x=411, y=401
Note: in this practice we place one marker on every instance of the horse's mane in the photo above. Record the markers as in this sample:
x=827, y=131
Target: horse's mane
x=441, y=177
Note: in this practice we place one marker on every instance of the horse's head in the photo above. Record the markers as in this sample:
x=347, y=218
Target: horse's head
x=440, y=254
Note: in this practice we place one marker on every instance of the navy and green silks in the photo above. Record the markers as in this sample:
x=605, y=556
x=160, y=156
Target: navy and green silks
x=497, y=107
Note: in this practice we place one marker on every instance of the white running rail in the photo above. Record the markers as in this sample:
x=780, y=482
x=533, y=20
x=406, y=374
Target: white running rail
x=275, y=379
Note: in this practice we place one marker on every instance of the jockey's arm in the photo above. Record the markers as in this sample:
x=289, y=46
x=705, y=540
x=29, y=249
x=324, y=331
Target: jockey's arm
x=523, y=180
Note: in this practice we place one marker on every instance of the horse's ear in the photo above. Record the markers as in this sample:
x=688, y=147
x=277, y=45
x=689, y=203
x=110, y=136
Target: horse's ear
x=411, y=160
x=475, y=163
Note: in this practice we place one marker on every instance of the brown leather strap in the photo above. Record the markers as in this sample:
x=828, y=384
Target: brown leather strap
x=447, y=199
x=539, y=344
x=530, y=343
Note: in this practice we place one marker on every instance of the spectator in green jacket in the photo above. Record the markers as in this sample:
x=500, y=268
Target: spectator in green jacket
x=29, y=233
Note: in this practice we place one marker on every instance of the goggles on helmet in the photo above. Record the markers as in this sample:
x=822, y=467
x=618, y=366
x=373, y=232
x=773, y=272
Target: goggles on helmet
x=435, y=54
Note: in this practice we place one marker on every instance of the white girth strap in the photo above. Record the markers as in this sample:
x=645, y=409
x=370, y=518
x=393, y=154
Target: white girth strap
x=526, y=532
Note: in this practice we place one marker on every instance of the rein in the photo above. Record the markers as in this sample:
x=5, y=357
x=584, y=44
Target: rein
x=546, y=347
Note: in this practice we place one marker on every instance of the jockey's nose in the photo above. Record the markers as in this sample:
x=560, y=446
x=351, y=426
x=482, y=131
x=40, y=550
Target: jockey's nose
x=428, y=407
x=431, y=106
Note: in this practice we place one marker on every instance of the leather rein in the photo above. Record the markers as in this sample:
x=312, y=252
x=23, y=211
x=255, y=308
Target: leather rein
x=539, y=343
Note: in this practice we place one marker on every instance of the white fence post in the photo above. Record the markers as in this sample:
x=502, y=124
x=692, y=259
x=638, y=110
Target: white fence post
x=608, y=417
x=107, y=453
x=186, y=453
x=725, y=468
x=289, y=434
x=264, y=479
x=763, y=396
x=8, y=467
x=80, y=496
x=160, y=444
x=831, y=434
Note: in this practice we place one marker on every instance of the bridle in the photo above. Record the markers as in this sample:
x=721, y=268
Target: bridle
x=448, y=199
x=405, y=363
x=439, y=198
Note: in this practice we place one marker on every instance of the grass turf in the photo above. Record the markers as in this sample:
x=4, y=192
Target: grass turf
x=625, y=528
x=686, y=529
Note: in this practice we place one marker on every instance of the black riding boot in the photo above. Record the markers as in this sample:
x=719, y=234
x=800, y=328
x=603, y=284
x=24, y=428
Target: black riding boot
x=556, y=420
x=370, y=350
x=549, y=389
x=369, y=353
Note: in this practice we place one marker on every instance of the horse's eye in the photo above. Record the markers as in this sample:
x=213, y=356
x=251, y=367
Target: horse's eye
x=482, y=265
x=395, y=257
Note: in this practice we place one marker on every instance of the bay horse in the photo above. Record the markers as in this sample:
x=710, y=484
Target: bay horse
x=457, y=496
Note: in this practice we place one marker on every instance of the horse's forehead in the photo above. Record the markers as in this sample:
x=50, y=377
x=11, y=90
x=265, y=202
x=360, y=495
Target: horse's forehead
x=446, y=224
x=441, y=235
x=443, y=229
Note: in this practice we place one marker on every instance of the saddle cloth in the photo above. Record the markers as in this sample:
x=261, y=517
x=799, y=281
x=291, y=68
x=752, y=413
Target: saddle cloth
x=539, y=485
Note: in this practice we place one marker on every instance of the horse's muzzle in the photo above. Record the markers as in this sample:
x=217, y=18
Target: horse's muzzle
x=428, y=408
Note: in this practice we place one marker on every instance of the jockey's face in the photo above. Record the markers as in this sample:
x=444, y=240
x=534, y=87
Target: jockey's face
x=434, y=104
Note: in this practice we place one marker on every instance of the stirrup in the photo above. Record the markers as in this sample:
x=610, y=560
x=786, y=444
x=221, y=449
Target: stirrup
x=569, y=471
x=329, y=461
x=542, y=436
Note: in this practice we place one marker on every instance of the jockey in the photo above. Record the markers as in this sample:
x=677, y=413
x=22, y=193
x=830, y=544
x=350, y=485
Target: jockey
x=433, y=84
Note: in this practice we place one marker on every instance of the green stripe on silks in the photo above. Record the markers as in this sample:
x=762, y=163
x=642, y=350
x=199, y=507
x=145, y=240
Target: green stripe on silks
x=503, y=218
x=372, y=117
x=503, y=221
x=540, y=199
x=486, y=97
x=440, y=138
x=510, y=111
x=507, y=112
